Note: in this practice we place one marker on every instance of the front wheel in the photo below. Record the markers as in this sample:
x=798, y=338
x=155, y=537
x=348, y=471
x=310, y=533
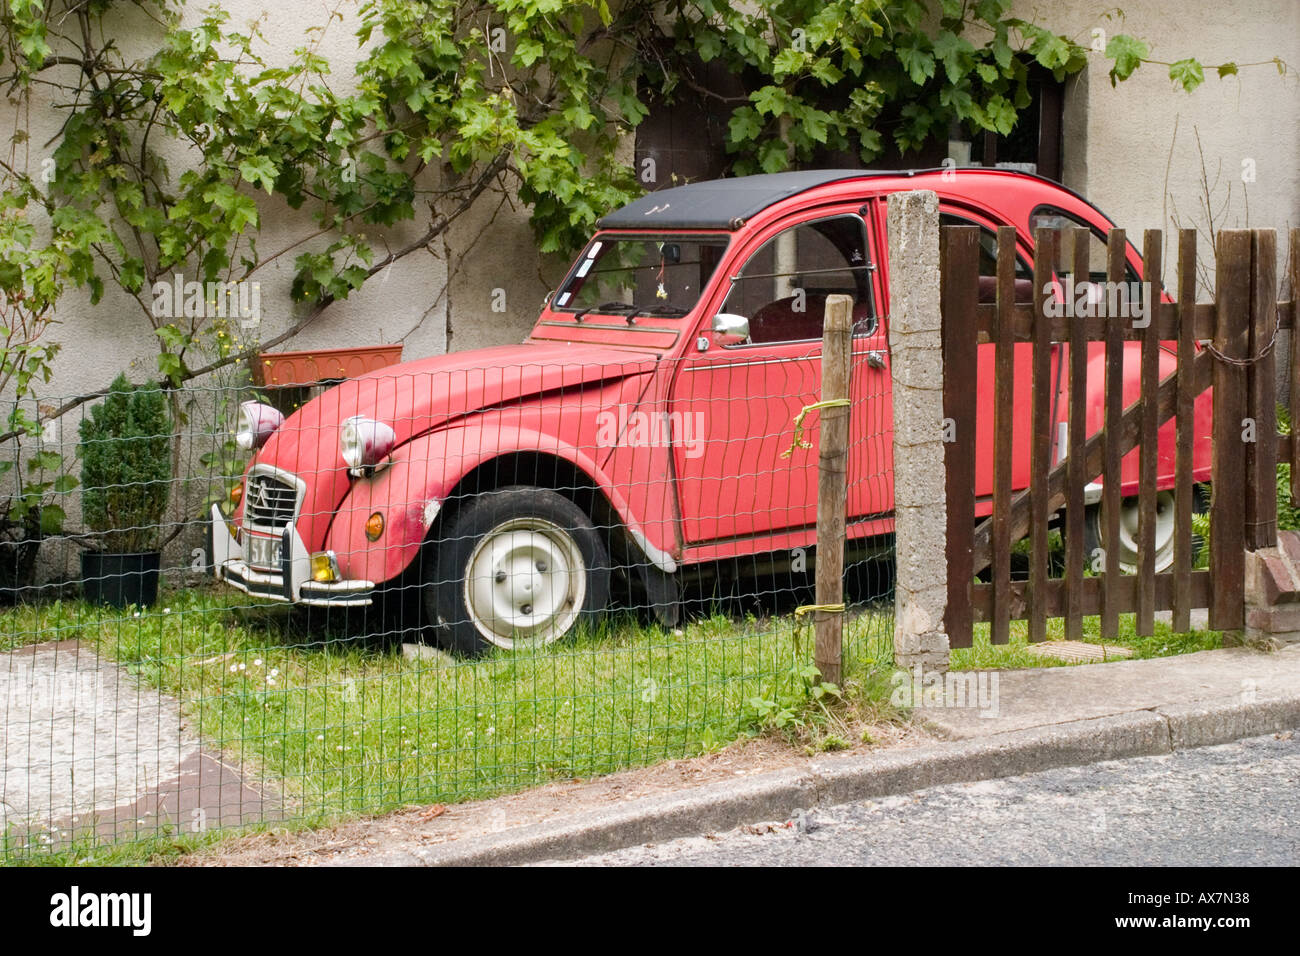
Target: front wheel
x=517, y=567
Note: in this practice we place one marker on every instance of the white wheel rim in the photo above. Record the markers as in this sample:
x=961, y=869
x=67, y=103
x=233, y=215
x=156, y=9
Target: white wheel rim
x=1130, y=514
x=525, y=583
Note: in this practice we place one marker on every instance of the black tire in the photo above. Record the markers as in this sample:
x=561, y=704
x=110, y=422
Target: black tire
x=532, y=529
x=1093, y=536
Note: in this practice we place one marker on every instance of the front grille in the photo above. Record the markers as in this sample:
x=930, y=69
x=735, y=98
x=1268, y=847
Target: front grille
x=269, y=502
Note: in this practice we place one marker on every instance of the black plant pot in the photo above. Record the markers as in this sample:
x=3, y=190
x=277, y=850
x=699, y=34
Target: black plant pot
x=120, y=580
x=19, y=542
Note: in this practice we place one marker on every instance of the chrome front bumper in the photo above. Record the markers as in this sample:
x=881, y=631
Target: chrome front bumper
x=293, y=584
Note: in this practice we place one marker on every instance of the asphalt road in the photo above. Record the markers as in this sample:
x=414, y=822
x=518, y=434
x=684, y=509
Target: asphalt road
x=1232, y=805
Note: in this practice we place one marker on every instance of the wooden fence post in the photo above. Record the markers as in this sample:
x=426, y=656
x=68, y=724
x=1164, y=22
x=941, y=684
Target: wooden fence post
x=959, y=271
x=833, y=463
x=1229, y=481
x=1261, y=454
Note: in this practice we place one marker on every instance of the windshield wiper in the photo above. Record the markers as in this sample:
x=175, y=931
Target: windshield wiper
x=607, y=308
x=631, y=311
x=613, y=308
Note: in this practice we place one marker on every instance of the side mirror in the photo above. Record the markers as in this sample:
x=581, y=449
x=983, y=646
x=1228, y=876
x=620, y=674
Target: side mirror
x=729, y=329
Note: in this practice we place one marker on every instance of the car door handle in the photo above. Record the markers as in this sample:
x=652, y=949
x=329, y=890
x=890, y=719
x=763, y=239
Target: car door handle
x=876, y=358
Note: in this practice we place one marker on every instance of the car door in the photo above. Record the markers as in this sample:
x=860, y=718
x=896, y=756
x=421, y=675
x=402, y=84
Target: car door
x=1022, y=362
x=744, y=396
x=952, y=213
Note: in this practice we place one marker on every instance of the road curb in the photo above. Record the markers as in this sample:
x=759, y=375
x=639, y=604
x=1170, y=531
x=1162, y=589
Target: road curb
x=1202, y=723
x=778, y=795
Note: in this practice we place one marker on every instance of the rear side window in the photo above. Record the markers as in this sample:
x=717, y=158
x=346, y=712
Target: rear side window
x=989, y=262
x=1049, y=217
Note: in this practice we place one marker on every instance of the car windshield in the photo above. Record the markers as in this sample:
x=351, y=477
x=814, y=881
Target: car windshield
x=640, y=275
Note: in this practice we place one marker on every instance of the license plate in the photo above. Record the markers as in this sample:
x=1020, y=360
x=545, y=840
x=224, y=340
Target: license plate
x=264, y=552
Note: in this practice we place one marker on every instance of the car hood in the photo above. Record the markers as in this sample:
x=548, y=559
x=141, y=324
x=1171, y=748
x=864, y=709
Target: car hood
x=414, y=397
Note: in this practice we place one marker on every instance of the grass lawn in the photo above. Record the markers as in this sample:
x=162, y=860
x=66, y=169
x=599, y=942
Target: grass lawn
x=1162, y=643
x=340, y=726
x=344, y=726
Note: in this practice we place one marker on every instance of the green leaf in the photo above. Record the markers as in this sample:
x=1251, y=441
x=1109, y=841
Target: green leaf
x=259, y=170
x=770, y=99
x=1127, y=52
x=813, y=124
x=45, y=460
x=918, y=63
x=772, y=156
x=1187, y=73
x=955, y=53
x=1000, y=115
x=1002, y=52
x=171, y=366
x=745, y=125
x=788, y=61
x=826, y=71
x=52, y=519
x=708, y=45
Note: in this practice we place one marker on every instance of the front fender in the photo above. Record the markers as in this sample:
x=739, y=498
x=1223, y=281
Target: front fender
x=412, y=489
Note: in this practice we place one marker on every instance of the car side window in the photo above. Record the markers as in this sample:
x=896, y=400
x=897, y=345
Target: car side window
x=782, y=288
x=988, y=246
x=1048, y=217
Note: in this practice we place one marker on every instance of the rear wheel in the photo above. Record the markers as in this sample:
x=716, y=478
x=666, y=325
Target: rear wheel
x=1130, y=516
x=517, y=567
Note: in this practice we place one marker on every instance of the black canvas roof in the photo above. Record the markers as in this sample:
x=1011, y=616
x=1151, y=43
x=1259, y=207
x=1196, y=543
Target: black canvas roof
x=720, y=203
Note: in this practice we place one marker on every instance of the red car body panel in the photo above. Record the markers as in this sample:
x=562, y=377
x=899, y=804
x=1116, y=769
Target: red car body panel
x=418, y=397
x=453, y=413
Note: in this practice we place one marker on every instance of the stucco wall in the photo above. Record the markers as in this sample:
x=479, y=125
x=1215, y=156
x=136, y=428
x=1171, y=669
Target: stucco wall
x=1133, y=149
x=114, y=335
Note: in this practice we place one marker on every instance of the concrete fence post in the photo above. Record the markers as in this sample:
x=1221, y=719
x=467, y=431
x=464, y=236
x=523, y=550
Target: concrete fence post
x=916, y=367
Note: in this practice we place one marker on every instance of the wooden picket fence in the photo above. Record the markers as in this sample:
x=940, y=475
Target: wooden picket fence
x=1228, y=344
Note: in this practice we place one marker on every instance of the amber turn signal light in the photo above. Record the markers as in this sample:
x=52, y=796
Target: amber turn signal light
x=325, y=567
x=237, y=494
x=374, y=526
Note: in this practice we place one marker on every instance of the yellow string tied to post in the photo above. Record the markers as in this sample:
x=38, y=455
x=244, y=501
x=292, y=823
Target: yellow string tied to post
x=810, y=608
x=798, y=422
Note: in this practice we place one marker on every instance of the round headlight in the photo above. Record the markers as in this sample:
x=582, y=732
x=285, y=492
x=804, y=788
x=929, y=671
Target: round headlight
x=256, y=423
x=364, y=442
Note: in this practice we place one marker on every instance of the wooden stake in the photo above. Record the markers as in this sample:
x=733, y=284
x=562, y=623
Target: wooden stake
x=833, y=459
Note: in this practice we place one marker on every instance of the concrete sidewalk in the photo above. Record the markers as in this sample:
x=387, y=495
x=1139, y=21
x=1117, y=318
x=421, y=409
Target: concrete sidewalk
x=1220, y=682
x=86, y=746
x=1042, y=718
